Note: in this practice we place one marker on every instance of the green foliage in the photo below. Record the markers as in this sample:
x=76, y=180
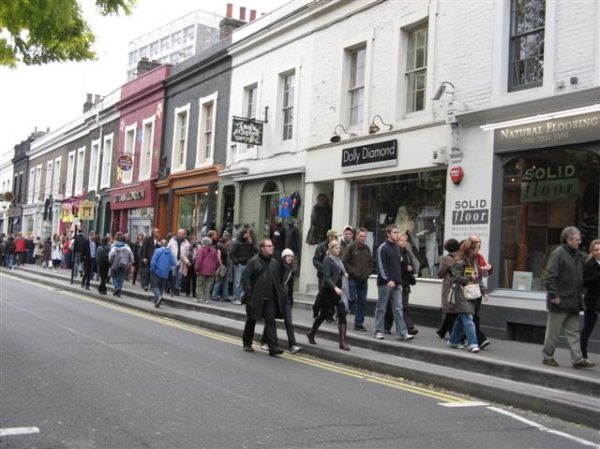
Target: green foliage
x=42, y=31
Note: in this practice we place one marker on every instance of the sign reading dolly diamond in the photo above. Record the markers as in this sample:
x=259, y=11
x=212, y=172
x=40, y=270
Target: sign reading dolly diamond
x=375, y=155
x=248, y=131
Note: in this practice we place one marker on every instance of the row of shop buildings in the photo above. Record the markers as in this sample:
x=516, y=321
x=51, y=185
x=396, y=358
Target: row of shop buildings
x=395, y=111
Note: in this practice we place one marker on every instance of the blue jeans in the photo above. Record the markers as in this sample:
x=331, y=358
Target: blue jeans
x=395, y=295
x=463, y=325
x=117, y=278
x=221, y=288
x=158, y=286
x=238, y=271
x=358, y=296
x=10, y=260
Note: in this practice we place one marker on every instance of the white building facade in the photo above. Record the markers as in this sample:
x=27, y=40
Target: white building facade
x=6, y=186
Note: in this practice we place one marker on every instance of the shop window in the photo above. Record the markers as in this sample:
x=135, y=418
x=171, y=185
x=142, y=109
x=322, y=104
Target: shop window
x=415, y=203
x=193, y=213
x=544, y=192
x=270, y=207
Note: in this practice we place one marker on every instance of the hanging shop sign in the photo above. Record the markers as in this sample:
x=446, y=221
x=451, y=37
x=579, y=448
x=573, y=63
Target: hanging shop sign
x=66, y=213
x=248, y=131
x=125, y=162
x=574, y=129
x=86, y=210
x=376, y=155
x=549, y=183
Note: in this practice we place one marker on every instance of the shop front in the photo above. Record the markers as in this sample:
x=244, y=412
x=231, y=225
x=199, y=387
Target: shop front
x=132, y=208
x=188, y=201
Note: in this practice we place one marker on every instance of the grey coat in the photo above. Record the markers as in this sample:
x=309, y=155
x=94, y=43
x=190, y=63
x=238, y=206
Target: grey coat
x=563, y=279
x=459, y=279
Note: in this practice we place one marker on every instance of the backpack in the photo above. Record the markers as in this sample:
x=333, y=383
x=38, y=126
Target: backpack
x=121, y=260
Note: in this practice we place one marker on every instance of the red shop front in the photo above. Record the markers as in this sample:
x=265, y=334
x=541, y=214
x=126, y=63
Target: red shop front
x=132, y=208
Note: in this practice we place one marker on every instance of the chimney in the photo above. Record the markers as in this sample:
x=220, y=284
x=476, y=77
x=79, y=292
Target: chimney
x=97, y=99
x=88, y=103
x=229, y=10
x=144, y=65
x=252, y=15
x=228, y=24
x=243, y=13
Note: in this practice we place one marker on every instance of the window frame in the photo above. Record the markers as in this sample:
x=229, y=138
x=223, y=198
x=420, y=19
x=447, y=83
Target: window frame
x=79, y=171
x=351, y=87
x=56, y=176
x=70, y=173
x=107, y=150
x=95, y=148
x=202, y=159
x=144, y=175
x=288, y=107
x=177, y=138
x=49, y=178
x=127, y=176
x=415, y=71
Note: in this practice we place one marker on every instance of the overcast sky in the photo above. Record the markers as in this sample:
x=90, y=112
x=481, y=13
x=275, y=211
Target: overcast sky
x=52, y=95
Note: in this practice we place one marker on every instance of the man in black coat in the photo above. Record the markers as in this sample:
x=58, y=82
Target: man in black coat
x=262, y=290
x=149, y=245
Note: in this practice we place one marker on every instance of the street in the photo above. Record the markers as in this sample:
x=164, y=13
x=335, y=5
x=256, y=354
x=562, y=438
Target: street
x=88, y=374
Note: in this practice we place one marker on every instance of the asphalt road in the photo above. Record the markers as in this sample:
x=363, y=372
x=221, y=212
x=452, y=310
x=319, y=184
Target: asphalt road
x=86, y=375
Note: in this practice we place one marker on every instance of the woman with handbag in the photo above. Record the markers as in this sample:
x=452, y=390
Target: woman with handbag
x=467, y=289
x=334, y=292
x=445, y=272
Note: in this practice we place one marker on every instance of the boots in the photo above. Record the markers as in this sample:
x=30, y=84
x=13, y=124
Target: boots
x=342, y=337
x=313, y=332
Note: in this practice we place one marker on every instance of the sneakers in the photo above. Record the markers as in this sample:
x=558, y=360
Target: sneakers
x=473, y=348
x=552, y=362
x=360, y=328
x=379, y=336
x=237, y=302
x=275, y=352
x=295, y=349
x=484, y=344
x=264, y=347
x=248, y=348
x=413, y=331
x=406, y=337
x=583, y=363
x=455, y=346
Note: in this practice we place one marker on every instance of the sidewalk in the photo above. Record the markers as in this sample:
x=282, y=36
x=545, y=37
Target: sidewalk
x=507, y=371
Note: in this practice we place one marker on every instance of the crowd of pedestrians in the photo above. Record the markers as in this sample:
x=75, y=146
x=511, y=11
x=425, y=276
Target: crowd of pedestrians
x=210, y=269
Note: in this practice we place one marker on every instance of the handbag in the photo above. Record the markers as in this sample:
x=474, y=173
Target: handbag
x=450, y=295
x=471, y=292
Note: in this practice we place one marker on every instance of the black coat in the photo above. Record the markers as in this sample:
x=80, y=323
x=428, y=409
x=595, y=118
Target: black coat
x=148, y=248
x=332, y=277
x=262, y=282
x=102, y=257
x=591, y=282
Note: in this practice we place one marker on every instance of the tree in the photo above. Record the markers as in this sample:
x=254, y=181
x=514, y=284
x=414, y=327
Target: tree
x=42, y=31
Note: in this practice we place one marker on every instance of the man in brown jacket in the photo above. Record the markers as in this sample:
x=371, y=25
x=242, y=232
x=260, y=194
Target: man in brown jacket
x=358, y=261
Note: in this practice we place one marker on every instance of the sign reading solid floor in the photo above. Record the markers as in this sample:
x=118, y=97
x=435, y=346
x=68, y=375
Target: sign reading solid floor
x=375, y=155
x=245, y=130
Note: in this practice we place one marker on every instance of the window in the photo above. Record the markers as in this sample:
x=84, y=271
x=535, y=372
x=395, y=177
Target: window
x=180, y=133
x=416, y=69
x=250, y=101
x=70, y=174
x=129, y=148
x=37, y=187
x=192, y=213
x=106, y=161
x=206, y=130
x=49, y=178
x=288, y=105
x=31, y=191
x=56, y=176
x=79, y=171
x=413, y=202
x=94, y=165
x=356, y=85
x=544, y=192
x=146, y=152
x=526, y=64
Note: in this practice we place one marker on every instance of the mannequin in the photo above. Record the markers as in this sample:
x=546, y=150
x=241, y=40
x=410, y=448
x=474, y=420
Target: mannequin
x=405, y=223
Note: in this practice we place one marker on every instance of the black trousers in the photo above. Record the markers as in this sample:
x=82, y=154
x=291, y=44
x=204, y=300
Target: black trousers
x=589, y=320
x=103, y=274
x=270, y=332
x=480, y=335
x=447, y=324
x=87, y=273
x=289, y=325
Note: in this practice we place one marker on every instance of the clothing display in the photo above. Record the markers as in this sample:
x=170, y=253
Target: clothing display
x=285, y=207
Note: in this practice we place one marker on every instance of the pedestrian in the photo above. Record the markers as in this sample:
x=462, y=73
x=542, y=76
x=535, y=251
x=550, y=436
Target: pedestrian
x=9, y=252
x=79, y=244
x=389, y=284
x=408, y=279
x=347, y=237
x=57, y=253
x=262, y=291
x=137, y=253
x=179, y=247
x=191, y=279
x=591, y=299
x=150, y=244
x=241, y=252
x=206, y=265
x=334, y=293
x=486, y=270
x=447, y=261
x=163, y=262
x=29, y=250
x=87, y=258
x=38, y=252
x=466, y=290
x=564, y=286
x=47, y=253
x=67, y=254
x=221, y=286
x=286, y=267
x=103, y=263
x=358, y=261
x=318, y=258
x=120, y=258
x=20, y=249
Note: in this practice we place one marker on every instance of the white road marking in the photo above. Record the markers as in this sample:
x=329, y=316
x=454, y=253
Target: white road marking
x=464, y=404
x=12, y=431
x=544, y=428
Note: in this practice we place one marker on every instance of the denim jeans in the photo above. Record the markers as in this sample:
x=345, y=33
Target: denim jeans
x=358, y=296
x=463, y=325
x=158, y=286
x=238, y=271
x=221, y=288
x=178, y=279
x=117, y=278
x=10, y=261
x=395, y=295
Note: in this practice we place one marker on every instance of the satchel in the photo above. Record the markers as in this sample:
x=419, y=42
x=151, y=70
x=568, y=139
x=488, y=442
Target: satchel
x=471, y=292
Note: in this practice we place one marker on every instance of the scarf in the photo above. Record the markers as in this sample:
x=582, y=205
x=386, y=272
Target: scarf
x=345, y=286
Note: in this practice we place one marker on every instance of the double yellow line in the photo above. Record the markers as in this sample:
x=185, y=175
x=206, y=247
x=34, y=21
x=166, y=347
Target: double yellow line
x=350, y=372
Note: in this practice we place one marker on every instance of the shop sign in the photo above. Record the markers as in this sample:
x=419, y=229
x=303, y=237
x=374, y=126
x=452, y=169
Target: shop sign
x=66, y=213
x=133, y=195
x=469, y=212
x=376, y=155
x=86, y=210
x=125, y=162
x=248, y=131
x=549, y=183
x=575, y=129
